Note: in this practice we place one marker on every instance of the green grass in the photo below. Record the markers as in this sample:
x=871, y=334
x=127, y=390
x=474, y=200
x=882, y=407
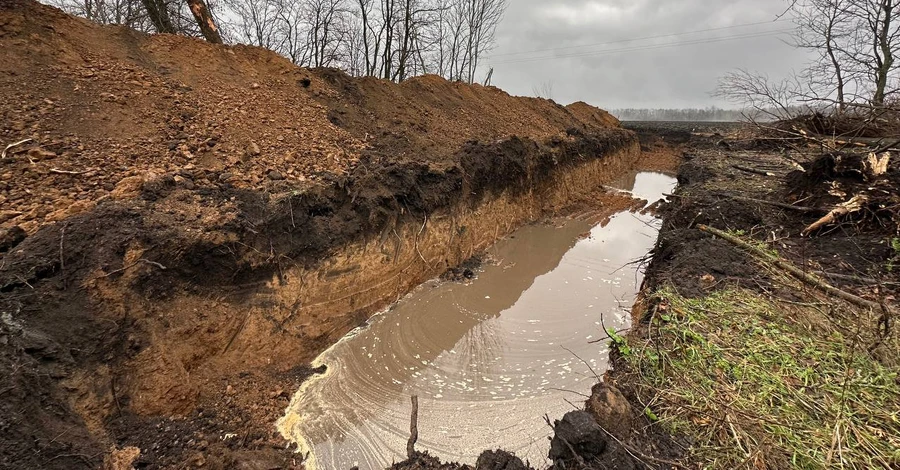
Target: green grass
x=764, y=384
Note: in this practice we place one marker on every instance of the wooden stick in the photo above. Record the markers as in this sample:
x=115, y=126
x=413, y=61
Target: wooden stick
x=853, y=205
x=753, y=170
x=793, y=270
x=848, y=277
x=782, y=205
x=14, y=144
x=413, y=428
x=66, y=172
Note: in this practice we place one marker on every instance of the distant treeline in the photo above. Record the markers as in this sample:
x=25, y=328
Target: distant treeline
x=686, y=114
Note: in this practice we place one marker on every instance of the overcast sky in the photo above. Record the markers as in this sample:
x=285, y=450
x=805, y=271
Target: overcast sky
x=677, y=76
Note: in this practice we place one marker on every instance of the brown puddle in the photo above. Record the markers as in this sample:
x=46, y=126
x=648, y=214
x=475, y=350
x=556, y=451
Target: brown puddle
x=488, y=358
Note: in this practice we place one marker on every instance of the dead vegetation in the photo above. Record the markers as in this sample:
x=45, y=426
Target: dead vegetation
x=770, y=336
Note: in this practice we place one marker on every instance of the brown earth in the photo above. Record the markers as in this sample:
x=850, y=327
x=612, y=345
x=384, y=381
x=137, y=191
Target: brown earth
x=187, y=225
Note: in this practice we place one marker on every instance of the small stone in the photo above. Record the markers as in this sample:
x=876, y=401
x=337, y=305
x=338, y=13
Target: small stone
x=275, y=175
x=185, y=183
x=127, y=187
x=224, y=177
x=253, y=149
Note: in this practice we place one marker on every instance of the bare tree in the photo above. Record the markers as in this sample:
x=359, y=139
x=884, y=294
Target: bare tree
x=390, y=39
x=855, y=42
x=544, y=90
x=876, y=43
x=825, y=28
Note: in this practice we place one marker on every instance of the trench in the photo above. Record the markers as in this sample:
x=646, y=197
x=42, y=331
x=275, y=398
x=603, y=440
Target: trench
x=488, y=357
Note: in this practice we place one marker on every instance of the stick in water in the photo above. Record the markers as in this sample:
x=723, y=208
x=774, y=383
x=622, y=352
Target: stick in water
x=413, y=428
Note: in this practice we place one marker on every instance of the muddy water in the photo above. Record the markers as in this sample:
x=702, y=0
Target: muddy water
x=487, y=358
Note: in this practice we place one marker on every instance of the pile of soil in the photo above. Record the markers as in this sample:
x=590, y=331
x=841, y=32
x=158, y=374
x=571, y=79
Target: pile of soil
x=105, y=108
x=154, y=187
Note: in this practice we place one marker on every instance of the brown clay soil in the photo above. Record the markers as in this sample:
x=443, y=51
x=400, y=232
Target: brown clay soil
x=166, y=206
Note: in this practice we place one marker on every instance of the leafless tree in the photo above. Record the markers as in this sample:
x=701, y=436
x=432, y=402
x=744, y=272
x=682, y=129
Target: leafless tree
x=855, y=45
x=390, y=39
x=544, y=90
x=875, y=43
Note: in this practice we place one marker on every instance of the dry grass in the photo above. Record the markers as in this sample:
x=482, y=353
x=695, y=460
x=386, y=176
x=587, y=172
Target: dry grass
x=765, y=383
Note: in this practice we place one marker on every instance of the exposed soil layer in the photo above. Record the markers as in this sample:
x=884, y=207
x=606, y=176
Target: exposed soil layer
x=186, y=226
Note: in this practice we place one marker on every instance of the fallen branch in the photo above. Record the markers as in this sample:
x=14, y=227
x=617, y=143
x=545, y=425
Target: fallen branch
x=853, y=205
x=782, y=205
x=887, y=147
x=793, y=270
x=858, y=279
x=413, y=428
x=12, y=145
x=753, y=170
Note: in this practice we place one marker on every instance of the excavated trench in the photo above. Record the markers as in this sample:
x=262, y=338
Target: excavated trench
x=194, y=308
x=489, y=356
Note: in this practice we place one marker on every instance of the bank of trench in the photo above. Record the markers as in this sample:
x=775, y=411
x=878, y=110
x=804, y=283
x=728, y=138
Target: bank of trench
x=489, y=356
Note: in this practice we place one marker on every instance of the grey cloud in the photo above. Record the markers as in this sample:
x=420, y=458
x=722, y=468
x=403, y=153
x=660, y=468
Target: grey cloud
x=677, y=76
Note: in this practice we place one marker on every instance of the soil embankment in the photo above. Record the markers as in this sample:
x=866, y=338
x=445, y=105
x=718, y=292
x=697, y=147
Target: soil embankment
x=750, y=363
x=185, y=226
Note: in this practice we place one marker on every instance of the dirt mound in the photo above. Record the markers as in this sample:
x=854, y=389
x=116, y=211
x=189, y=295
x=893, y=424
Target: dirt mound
x=156, y=189
x=593, y=115
x=102, y=108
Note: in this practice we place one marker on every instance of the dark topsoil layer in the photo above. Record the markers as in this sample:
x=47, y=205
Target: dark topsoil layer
x=52, y=328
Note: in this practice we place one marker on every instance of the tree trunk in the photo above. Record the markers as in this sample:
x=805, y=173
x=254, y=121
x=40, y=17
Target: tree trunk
x=205, y=21
x=159, y=16
x=887, y=53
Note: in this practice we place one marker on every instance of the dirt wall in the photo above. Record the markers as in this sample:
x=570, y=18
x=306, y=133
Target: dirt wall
x=175, y=300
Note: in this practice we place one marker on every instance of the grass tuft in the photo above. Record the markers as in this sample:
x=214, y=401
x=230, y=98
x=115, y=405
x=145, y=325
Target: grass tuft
x=761, y=383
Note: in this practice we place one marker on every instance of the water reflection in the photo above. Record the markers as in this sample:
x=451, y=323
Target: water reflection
x=488, y=359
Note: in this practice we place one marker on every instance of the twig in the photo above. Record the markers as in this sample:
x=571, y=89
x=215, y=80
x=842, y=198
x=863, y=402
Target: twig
x=14, y=144
x=236, y=333
x=774, y=203
x=793, y=270
x=424, y=223
x=585, y=362
x=66, y=172
x=753, y=170
x=413, y=428
x=634, y=452
x=125, y=268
